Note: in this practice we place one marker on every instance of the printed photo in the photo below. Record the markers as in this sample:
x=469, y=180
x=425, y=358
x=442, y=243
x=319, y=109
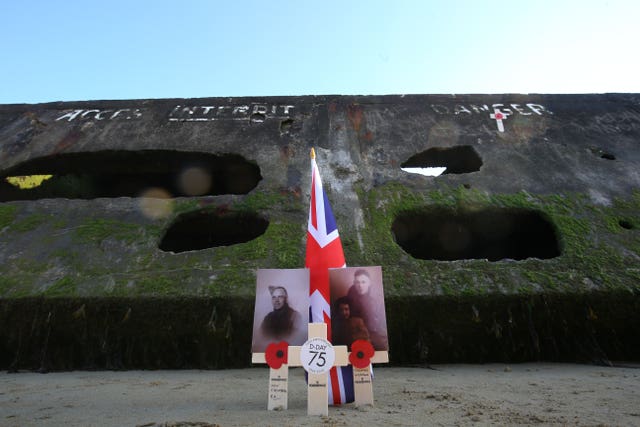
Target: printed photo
x=282, y=307
x=357, y=306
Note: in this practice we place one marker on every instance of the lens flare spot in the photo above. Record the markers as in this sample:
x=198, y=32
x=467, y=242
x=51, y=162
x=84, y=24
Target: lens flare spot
x=156, y=203
x=195, y=181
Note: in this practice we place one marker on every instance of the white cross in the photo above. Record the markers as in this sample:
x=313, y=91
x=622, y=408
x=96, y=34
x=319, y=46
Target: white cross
x=498, y=116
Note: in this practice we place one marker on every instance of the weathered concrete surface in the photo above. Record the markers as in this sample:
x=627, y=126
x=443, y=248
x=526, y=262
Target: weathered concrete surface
x=84, y=283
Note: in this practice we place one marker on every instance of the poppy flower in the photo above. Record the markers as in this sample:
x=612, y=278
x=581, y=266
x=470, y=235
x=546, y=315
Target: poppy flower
x=361, y=353
x=277, y=354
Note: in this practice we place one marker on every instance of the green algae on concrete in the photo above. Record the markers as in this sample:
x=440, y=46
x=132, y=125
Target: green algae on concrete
x=7, y=215
x=98, y=229
x=119, y=257
x=63, y=287
x=127, y=251
x=30, y=223
x=586, y=263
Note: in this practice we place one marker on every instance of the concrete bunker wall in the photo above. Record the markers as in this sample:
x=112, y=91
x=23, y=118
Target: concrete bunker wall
x=140, y=249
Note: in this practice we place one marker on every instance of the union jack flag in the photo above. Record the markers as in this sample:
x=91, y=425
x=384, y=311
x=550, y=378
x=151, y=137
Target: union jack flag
x=324, y=251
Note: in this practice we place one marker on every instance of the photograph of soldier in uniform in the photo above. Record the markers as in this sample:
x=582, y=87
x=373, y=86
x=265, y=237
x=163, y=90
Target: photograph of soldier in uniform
x=282, y=307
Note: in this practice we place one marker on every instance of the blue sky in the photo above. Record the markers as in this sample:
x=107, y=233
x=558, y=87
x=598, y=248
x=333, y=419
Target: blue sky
x=91, y=50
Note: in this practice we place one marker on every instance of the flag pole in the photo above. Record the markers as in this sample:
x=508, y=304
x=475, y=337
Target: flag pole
x=313, y=153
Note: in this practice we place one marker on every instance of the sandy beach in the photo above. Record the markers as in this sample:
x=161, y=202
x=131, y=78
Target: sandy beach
x=497, y=394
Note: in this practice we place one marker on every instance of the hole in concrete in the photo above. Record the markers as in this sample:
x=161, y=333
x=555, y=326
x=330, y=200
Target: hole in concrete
x=455, y=160
x=207, y=229
x=492, y=234
x=130, y=173
x=285, y=126
x=602, y=154
x=626, y=224
x=258, y=118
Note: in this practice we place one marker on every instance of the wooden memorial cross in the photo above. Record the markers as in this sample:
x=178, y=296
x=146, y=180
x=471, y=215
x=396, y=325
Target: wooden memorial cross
x=362, y=356
x=277, y=357
x=317, y=356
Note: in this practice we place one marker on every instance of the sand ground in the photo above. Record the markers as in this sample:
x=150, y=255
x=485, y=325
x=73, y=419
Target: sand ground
x=523, y=394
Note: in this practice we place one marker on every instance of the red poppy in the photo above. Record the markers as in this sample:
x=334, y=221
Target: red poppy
x=361, y=353
x=277, y=354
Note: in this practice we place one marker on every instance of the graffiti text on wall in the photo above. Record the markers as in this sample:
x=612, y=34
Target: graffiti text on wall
x=497, y=112
x=93, y=114
x=256, y=113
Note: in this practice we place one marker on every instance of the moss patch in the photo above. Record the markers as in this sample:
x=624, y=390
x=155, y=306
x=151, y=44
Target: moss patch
x=7, y=215
x=156, y=284
x=62, y=287
x=589, y=260
x=7, y=284
x=119, y=258
x=99, y=229
x=30, y=222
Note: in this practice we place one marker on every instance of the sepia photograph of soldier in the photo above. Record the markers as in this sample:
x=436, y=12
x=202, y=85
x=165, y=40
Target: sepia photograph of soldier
x=283, y=320
x=282, y=307
x=357, y=293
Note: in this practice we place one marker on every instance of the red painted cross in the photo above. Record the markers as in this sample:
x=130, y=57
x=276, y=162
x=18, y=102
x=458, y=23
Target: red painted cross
x=498, y=116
